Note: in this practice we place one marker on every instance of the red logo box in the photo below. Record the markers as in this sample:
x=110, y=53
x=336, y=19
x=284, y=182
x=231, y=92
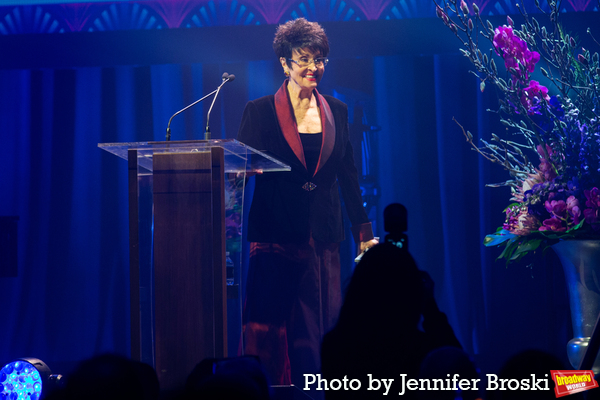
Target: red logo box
x=569, y=382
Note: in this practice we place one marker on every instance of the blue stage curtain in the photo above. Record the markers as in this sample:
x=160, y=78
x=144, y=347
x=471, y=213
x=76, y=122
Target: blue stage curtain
x=71, y=298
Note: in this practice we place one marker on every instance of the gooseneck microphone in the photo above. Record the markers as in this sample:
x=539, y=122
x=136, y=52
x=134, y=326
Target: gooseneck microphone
x=226, y=78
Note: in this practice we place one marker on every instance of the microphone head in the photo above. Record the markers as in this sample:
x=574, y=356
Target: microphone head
x=231, y=77
x=225, y=76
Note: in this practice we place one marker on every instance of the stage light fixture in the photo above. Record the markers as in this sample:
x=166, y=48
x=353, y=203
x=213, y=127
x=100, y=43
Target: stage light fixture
x=25, y=379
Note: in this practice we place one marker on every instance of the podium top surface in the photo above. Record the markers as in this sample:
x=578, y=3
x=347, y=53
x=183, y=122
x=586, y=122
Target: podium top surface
x=238, y=156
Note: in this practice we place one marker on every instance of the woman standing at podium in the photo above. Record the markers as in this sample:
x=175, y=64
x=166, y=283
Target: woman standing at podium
x=295, y=222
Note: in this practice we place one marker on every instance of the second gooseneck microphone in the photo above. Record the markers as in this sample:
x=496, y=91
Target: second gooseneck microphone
x=226, y=78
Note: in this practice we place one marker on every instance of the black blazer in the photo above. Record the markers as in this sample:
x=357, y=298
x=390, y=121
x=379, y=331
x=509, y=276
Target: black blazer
x=282, y=211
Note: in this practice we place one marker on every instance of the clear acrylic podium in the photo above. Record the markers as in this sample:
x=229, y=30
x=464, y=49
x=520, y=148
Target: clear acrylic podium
x=185, y=219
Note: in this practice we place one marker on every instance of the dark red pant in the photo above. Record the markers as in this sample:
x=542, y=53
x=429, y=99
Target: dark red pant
x=293, y=297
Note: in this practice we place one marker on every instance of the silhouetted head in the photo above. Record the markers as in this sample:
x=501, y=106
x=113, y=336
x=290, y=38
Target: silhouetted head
x=395, y=218
x=522, y=365
x=230, y=378
x=107, y=376
x=386, y=289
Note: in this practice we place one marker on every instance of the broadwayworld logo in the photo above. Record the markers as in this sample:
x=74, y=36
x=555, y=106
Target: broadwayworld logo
x=569, y=382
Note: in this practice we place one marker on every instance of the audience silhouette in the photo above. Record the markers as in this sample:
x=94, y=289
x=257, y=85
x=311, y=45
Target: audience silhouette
x=378, y=333
x=390, y=330
x=521, y=366
x=241, y=378
x=111, y=376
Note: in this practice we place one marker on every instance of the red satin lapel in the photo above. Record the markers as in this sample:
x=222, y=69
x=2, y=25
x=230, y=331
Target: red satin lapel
x=328, y=131
x=287, y=122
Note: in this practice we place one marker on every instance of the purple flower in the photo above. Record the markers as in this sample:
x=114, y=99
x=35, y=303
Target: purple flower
x=557, y=208
x=553, y=224
x=573, y=209
x=546, y=168
x=576, y=214
x=591, y=216
x=540, y=150
x=593, y=198
x=572, y=201
x=592, y=213
x=514, y=50
x=532, y=96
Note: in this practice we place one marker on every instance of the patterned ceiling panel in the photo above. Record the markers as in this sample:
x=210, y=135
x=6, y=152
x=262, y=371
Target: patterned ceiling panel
x=167, y=14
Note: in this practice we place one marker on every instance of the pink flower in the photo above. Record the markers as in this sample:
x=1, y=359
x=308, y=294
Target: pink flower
x=592, y=213
x=533, y=95
x=558, y=208
x=593, y=198
x=464, y=7
x=573, y=209
x=591, y=216
x=546, y=168
x=514, y=50
x=553, y=224
x=540, y=150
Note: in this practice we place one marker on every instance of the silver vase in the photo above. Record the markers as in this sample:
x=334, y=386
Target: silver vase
x=581, y=263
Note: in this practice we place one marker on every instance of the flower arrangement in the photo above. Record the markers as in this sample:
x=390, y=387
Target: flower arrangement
x=556, y=121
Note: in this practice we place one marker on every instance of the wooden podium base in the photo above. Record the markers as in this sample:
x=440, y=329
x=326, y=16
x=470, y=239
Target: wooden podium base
x=190, y=306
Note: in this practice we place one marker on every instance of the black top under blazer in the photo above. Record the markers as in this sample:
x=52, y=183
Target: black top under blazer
x=282, y=211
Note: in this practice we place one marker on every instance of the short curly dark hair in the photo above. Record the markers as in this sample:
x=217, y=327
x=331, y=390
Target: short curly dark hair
x=300, y=34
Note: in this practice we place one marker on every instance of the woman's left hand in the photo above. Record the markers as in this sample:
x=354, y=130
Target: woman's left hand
x=366, y=245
